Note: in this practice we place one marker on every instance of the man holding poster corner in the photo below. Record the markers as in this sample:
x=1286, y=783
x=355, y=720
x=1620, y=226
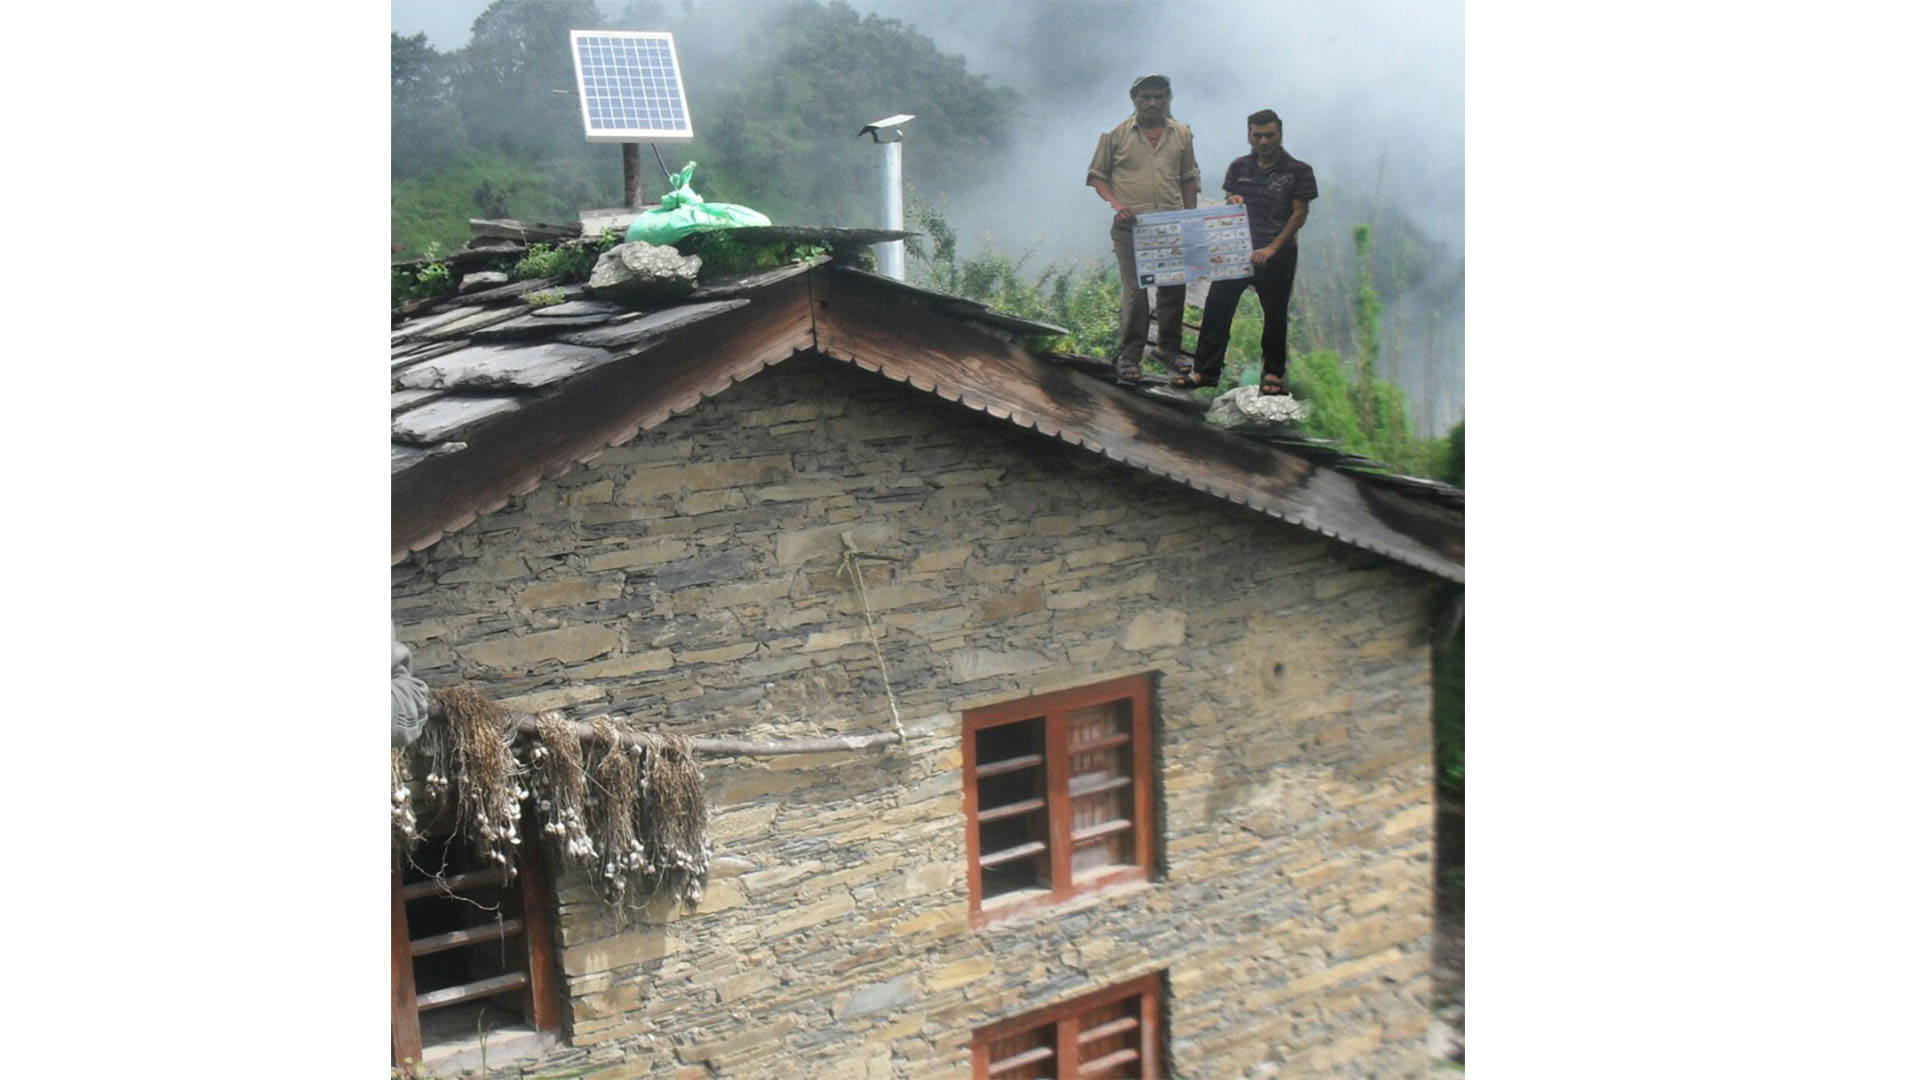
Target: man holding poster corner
x=1275, y=188
x=1144, y=165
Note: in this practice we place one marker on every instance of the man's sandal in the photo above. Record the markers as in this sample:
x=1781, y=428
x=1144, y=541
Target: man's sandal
x=1274, y=385
x=1126, y=371
x=1183, y=376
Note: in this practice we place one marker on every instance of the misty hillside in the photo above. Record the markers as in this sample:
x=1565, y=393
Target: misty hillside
x=1009, y=99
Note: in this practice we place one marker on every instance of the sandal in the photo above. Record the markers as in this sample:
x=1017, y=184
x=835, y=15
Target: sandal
x=1272, y=385
x=1126, y=372
x=1183, y=376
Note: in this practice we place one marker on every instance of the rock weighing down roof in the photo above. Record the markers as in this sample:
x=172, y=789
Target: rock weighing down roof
x=492, y=394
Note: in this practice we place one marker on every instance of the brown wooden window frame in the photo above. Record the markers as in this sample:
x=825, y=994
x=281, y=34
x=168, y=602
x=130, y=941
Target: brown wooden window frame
x=1052, y=710
x=1065, y=1021
x=541, y=983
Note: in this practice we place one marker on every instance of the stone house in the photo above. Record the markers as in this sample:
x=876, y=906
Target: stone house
x=1165, y=802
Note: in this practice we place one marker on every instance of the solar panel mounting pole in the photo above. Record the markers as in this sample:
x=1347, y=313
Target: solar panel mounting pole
x=891, y=256
x=630, y=172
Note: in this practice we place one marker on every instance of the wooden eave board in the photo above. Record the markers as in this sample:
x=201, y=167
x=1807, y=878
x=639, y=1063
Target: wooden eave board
x=873, y=328
x=446, y=417
x=1287, y=436
x=506, y=366
x=607, y=405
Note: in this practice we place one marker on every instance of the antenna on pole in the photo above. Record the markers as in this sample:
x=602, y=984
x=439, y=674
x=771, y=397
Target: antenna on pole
x=892, y=255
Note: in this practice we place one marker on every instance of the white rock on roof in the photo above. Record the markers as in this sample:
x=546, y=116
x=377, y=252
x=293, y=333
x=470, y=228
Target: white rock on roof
x=1244, y=405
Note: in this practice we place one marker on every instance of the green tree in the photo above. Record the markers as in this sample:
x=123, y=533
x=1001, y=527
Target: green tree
x=518, y=57
x=777, y=133
x=428, y=134
x=1450, y=461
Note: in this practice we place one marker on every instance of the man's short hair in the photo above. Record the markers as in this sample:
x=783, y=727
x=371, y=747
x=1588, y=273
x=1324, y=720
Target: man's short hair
x=1265, y=116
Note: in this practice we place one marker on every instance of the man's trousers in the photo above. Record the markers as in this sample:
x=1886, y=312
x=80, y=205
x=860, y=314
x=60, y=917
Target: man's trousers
x=1274, y=285
x=1170, y=302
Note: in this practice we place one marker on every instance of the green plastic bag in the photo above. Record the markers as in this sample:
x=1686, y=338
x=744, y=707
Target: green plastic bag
x=683, y=212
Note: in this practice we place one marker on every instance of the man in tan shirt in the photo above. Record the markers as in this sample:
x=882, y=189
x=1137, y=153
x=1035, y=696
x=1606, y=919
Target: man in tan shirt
x=1145, y=165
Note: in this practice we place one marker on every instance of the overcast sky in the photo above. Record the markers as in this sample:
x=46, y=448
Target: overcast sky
x=1372, y=95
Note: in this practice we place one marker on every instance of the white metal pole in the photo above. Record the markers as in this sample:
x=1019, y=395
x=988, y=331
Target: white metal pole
x=892, y=255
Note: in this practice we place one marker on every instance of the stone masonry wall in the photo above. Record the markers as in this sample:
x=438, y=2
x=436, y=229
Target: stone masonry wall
x=690, y=579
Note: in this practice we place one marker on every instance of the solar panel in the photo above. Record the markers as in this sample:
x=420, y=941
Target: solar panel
x=630, y=88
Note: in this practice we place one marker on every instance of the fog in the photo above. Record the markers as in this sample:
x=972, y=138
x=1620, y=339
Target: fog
x=1371, y=94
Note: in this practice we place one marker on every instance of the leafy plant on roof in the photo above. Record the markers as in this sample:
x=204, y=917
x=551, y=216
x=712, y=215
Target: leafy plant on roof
x=570, y=262
x=722, y=253
x=420, y=282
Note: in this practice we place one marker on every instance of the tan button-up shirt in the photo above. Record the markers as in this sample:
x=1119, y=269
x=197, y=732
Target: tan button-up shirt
x=1144, y=176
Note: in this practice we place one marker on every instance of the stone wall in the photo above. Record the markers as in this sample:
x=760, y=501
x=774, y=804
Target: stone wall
x=690, y=579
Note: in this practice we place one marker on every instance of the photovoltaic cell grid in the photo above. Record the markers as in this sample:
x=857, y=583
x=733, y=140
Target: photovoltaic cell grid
x=630, y=89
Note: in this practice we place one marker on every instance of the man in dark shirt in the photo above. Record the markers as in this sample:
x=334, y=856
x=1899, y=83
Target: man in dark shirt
x=1275, y=188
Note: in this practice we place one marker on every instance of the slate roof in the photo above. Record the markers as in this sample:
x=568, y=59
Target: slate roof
x=491, y=395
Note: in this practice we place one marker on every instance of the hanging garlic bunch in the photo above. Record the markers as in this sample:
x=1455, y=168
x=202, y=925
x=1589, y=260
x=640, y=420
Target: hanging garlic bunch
x=637, y=830
x=622, y=853
x=560, y=780
x=489, y=794
x=406, y=830
x=671, y=817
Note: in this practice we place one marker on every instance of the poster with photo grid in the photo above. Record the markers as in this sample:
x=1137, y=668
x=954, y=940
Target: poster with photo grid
x=1180, y=247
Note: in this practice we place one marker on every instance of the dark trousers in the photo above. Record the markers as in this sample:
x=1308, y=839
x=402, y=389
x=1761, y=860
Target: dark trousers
x=1274, y=285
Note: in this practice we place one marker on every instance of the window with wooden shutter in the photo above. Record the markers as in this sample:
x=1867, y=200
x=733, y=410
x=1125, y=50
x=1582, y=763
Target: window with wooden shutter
x=1113, y=1032
x=472, y=949
x=1058, y=794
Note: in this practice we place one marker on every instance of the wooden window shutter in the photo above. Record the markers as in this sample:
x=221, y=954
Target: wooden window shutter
x=1058, y=792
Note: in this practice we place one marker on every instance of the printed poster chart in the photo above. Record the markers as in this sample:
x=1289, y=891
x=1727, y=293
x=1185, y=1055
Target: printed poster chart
x=1179, y=247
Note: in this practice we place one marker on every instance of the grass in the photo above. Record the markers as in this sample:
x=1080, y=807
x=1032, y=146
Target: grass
x=436, y=211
